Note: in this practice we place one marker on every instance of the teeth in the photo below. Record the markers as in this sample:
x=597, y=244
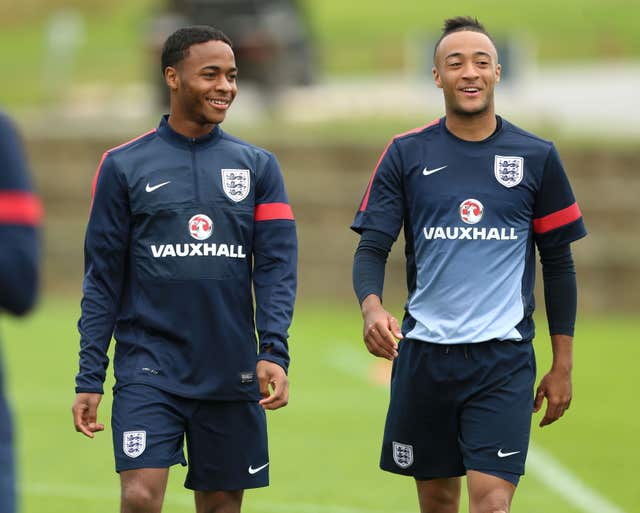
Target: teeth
x=218, y=102
x=470, y=90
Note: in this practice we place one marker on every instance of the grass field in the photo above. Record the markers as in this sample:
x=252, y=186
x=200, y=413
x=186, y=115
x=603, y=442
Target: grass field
x=352, y=38
x=324, y=445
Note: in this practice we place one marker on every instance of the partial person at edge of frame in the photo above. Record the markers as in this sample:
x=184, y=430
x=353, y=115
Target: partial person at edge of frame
x=21, y=217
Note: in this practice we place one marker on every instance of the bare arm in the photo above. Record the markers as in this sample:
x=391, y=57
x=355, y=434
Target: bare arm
x=556, y=384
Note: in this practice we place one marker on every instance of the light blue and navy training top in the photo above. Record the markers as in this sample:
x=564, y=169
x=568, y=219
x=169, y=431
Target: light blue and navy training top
x=180, y=232
x=472, y=214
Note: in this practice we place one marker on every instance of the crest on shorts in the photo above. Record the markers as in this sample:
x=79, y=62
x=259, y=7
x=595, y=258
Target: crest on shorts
x=236, y=183
x=134, y=443
x=402, y=454
x=509, y=170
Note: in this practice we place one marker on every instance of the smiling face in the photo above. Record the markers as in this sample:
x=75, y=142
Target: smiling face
x=466, y=69
x=203, y=86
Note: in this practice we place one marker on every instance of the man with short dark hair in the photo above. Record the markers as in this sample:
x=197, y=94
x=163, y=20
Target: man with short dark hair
x=476, y=195
x=20, y=219
x=185, y=221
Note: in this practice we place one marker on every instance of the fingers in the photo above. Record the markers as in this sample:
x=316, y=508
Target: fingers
x=550, y=416
x=395, y=328
x=79, y=421
x=83, y=424
x=280, y=395
x=263, y=383
x=272, y=375
x=85, y=411
x=380, y=347
x=555, y=409
x=92, y=418
x=537, y=403
x=379, y=338
x=553, y=413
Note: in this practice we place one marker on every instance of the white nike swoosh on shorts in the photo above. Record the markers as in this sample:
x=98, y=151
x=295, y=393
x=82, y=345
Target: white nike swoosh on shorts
x=256, y=470
x=505, y=454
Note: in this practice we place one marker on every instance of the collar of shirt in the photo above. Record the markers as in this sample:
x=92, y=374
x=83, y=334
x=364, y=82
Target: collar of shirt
x=169, y=134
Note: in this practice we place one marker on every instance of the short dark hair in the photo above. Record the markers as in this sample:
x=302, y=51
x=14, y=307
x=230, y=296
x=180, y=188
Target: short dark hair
x=459, y=24
x=177, y=45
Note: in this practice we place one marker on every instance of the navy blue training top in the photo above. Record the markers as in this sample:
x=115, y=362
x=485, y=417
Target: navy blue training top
x=180, y=231
x=472, y=214
x=20, y=219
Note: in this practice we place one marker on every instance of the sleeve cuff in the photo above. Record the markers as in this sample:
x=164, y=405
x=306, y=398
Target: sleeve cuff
x=275, y=351
x=561, y=330
x=89, y=390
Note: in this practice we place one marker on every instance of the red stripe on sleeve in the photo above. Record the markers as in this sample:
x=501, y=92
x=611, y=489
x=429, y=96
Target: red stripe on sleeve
x=132, y=140
x=363, y=205
x=22, y=208
x=271, y=211
x=557, y=219
x=95, y=178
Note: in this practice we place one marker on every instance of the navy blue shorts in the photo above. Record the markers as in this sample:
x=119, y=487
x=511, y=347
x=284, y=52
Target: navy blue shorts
x=460, y=407
x=226, y=440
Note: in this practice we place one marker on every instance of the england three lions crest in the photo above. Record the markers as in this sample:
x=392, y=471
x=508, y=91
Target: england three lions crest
x=236, y=183
x=509, y=170
x=402, y=454
x=134, y=443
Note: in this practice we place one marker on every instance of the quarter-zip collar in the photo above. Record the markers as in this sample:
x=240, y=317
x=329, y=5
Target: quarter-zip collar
x=171, y=136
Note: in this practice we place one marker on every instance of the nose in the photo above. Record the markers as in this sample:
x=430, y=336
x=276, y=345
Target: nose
x=469, y=71
x=224, y=84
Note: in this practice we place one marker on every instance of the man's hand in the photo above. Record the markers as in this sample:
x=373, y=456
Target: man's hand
x=381, y=329
x=272, y=375
x=85, y=414
x=556, y=387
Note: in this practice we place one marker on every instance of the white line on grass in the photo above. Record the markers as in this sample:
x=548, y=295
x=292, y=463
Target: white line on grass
x=560, y=479
x=345, y=358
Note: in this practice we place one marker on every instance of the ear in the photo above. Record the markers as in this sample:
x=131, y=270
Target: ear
x=436, y=77
x=498, y=71
x=171, y=77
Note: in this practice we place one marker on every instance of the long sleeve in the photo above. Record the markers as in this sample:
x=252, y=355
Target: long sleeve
x=560, y=290
x=20, y=219
x=275, y=254
x=369, y=263
x=106, y=249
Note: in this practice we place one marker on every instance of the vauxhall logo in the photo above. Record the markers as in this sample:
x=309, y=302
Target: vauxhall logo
x=471, y=211
x=468, y=233
x=200, y=227
x=201, y=249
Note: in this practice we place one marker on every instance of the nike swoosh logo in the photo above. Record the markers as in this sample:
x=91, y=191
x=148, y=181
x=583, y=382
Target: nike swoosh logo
x=256, y=470
x=505, y=454
x=151, y=188
x=427, y=172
